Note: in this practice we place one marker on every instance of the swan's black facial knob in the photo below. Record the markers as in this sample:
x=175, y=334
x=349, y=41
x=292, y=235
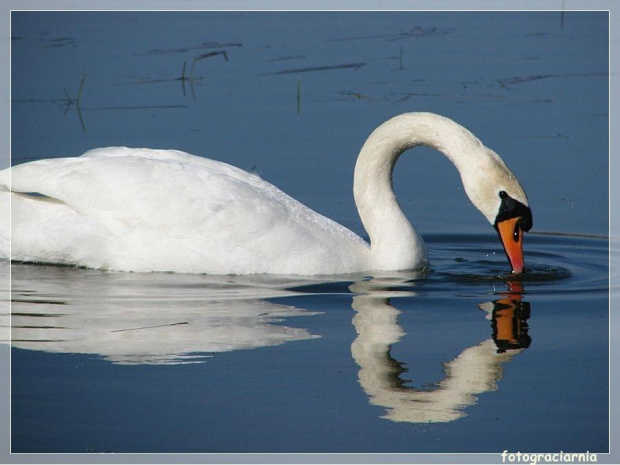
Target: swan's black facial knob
x=511, y=208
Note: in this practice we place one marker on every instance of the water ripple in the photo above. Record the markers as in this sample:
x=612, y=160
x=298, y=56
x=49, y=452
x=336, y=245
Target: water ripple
x=578, y=262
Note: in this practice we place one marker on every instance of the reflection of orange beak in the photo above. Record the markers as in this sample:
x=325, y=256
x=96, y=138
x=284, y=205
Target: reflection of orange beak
x=510, y=315
x=511, y=234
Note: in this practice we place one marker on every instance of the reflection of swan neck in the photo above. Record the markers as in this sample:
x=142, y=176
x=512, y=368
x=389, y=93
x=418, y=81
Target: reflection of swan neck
x=377, y=328
x=476, y=370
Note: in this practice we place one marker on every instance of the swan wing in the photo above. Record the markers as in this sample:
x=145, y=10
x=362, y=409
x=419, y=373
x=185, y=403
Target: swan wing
x=151, y=210
x=145, y=186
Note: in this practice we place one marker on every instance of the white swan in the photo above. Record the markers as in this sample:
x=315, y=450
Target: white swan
x=163, y=210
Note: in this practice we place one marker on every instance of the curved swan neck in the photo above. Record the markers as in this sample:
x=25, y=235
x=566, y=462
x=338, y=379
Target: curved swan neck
x=394, y=242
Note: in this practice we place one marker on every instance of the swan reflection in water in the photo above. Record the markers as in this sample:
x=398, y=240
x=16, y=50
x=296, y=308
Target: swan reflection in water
x=166, y=319
x=129, y=318
x=475, y=371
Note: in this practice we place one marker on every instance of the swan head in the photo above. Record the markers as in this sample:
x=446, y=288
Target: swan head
x=497, y=193
x=512, y=220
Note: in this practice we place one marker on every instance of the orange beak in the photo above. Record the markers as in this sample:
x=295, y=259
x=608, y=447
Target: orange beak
x=511, y=235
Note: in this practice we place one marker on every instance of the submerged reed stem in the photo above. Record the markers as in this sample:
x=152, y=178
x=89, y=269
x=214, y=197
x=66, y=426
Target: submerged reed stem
x=298, y=95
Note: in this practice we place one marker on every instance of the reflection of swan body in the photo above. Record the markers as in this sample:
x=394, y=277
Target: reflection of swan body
x=128, y=320
x=476, y=370
x=165, y=210
x=138, y=336
x=5, y=301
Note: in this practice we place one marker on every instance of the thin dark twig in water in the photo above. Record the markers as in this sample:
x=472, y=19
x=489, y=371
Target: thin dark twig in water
x=68, y=101
x=150, y=327
x=355, y=66
x=298, y=95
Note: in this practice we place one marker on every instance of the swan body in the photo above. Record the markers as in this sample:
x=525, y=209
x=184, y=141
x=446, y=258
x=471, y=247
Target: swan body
x=127, y=209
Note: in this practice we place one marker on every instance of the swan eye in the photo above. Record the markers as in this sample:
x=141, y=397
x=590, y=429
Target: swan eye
x=511, y=208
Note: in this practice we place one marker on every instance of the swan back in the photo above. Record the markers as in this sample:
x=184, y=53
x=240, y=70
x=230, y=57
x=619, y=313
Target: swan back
x=164, y=210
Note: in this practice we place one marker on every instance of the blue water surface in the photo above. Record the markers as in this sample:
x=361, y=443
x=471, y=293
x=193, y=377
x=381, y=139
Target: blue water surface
x=459, y=359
